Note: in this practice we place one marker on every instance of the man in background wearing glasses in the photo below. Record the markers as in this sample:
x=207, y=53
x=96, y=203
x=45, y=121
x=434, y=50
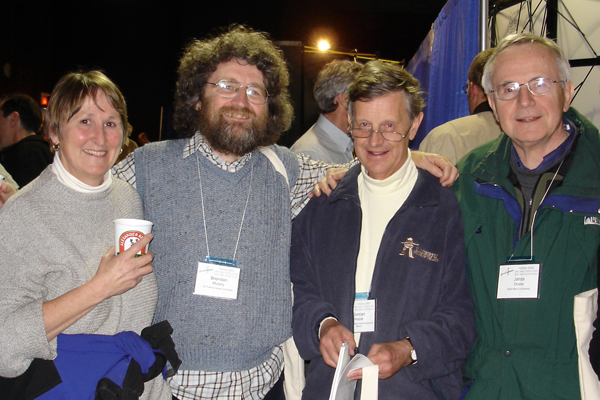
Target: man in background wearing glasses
x=530, y=202
x=456, y=138
x=379, y=263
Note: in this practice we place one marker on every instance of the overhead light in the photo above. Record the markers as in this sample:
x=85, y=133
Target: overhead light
x=323, y=45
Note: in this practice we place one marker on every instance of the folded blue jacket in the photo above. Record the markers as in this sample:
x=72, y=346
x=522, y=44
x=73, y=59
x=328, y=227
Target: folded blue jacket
x=89, y=367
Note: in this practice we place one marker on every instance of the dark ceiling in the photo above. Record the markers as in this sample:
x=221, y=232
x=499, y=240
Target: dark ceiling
x=137, y=43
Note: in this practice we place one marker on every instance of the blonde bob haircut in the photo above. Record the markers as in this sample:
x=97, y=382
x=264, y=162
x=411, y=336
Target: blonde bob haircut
x=70, y=93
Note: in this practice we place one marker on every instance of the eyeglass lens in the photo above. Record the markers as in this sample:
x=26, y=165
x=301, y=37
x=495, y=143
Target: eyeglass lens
x=229, y=89
x=537, y=87
x=387, y=135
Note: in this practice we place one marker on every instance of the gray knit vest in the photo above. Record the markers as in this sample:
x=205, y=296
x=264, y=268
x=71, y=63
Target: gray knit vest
x=213, y=334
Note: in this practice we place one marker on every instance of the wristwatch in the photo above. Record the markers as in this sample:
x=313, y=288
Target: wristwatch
x=413, y=353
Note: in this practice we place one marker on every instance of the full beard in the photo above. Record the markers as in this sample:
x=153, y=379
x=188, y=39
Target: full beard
x=230, y=137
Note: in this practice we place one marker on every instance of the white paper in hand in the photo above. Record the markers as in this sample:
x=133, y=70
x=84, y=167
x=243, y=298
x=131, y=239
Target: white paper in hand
x=342, y=388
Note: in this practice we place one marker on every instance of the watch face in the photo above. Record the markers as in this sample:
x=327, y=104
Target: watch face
x=413, y=355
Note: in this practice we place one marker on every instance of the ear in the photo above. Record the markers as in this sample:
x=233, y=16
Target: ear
x=14, y=119
x=53, y=139
x=415, y=125
x=492, y=102
x=53, y=136
x=473, y=90
x=342, y=100
x=569, y=91
x=198, y=105
x=478, y=94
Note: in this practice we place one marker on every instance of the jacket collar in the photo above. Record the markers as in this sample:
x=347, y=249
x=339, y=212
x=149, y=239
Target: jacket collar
x=494, y=165
x=424, y=194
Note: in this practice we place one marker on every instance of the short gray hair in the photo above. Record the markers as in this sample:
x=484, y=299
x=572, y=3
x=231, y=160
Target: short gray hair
x=562, y=63
x=334, y=79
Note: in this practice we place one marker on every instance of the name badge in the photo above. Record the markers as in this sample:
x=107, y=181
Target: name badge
x=217, y=277
x=519, y=281
x=364, y=313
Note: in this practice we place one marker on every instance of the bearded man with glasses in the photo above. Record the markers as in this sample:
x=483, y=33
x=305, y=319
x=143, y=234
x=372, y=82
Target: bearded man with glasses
x=530, y=201
x=379, y=263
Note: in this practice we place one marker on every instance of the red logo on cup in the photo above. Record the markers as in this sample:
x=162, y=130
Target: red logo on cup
x=128, y=239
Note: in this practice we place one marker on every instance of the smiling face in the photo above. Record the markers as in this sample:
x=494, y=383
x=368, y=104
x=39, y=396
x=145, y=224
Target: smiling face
x=384, y=113
x=90, y=141
x=232, y=127
x=534, y=123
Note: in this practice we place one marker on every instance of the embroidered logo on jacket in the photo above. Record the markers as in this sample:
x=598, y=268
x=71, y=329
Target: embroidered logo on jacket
x=414, y=250
x=591, y=221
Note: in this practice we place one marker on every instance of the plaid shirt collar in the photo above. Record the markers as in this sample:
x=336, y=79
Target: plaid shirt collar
x=197, y=143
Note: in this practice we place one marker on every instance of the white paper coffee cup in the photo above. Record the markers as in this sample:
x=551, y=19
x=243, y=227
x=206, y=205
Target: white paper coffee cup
x=128, y=232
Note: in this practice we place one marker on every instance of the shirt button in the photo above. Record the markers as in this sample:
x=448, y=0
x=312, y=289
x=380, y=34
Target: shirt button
x=507, y=353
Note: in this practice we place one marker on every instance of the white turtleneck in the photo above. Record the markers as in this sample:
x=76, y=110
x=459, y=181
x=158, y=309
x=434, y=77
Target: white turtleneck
x=67, y=179
x=380, y=200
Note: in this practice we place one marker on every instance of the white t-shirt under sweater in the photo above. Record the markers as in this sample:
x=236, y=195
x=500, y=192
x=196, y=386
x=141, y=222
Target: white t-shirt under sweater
x=379, y=202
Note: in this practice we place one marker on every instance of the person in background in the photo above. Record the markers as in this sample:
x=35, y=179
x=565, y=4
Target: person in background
x=8, y=179
x=24, y=153
x=143, y=139
x=456, y=138
x=328, y=139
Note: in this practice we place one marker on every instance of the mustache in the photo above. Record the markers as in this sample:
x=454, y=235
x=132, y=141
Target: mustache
x=244, y=112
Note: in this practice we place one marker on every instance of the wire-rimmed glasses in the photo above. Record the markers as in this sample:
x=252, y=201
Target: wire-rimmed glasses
x=390, y=136
x=537, y=87
x=229, y=89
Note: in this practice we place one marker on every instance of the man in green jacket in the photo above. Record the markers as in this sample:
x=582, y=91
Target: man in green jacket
x=530, y=201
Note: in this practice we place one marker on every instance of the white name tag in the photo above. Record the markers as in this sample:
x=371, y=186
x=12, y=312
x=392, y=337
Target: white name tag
x=519, y=281
x=216, y=280
x=364, y=315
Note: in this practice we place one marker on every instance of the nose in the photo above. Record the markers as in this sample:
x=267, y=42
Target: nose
x=241, y=98
x=525, y=98
x=376, y=139
x=99, y=135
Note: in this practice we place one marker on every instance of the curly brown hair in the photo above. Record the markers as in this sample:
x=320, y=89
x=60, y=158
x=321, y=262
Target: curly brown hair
x=201, y=59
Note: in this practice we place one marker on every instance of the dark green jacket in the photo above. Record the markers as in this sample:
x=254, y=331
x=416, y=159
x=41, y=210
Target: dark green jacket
x=526, y=347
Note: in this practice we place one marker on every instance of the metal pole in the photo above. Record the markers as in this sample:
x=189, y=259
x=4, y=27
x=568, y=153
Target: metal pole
x=483, y=19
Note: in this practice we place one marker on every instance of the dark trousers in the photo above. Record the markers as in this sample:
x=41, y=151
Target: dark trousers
x=276, y=392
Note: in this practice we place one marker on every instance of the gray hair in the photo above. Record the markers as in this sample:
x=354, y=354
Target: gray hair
x=334, y=79
x=562, y=63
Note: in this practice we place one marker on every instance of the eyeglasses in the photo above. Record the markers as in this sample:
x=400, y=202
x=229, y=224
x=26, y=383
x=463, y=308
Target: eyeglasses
x=390, y=136
x=229, y=89
x=537, y=87
x=465, y=88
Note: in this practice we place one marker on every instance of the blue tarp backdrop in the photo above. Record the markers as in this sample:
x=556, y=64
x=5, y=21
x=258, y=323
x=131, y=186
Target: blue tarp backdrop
x=442, y=63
